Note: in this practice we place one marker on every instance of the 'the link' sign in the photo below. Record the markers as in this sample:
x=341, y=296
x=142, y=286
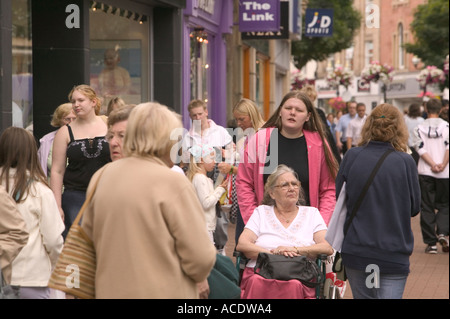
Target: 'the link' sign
x=259, y=15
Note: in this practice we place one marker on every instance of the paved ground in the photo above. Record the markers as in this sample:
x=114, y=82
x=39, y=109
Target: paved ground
x=429, y=277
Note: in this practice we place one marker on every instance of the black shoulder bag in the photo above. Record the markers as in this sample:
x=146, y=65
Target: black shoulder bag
x=338, y=267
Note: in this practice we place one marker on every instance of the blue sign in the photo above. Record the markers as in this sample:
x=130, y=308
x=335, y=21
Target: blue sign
x=319, y=22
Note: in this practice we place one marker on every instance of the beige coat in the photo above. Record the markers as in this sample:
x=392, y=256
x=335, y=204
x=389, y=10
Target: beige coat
x=13, y=233
x=149, y=232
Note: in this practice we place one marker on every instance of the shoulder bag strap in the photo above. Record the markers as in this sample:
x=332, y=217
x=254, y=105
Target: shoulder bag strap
x=366, y=187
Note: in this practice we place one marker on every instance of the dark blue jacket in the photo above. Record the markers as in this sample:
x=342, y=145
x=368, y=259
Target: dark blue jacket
x=381, y=230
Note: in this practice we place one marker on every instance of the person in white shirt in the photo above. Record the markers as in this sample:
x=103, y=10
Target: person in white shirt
x=23, y=178
x=281, y=225
x=341, y=127
x=355, y=126
x=431, y=139
x=203, y=131
x=202, y=162
x=206, y=131
x=412, y=119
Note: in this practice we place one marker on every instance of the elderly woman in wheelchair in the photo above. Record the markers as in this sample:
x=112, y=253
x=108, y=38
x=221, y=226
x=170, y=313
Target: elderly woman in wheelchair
x=281, y=226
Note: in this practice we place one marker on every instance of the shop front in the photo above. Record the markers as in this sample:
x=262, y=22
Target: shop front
x=126, y=49
x=205, y=55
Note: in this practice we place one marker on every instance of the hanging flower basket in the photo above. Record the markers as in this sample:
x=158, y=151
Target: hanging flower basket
x=340, y=76
x=337, y=103
x=299, y=80
x=430, y=75
x=375, y=72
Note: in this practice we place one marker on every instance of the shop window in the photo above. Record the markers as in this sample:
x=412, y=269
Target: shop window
x=262, y=94
x=200, y=64
x=22, y=76
x=119, y=54
x=368, y=52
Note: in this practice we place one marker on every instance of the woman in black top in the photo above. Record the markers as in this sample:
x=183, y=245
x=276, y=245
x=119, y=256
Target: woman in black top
x=79, y=150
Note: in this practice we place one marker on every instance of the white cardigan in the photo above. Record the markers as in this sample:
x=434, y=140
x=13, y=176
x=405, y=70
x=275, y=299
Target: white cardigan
x=34, y=264
x=208, y=197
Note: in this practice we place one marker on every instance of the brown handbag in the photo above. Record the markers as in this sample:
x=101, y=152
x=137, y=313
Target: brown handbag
x=74, y=272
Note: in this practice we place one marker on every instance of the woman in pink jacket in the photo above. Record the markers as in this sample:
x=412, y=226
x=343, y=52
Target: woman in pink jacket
x=293, y=136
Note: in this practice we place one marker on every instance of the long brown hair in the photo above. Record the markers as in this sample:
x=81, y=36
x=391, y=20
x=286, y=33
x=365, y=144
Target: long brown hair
x=18, y=150
x=314, y=124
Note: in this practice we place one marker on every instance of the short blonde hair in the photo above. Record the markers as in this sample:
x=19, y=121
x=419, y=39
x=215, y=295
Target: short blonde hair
x=149, y=130
x=248, y=107
x=60, y=113
x=114, y=103
x=310, y=91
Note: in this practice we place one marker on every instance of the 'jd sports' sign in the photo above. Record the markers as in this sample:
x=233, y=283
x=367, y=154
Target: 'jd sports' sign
x=259, y=15
x=319, y=23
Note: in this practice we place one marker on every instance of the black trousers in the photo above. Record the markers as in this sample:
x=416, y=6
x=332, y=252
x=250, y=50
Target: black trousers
x=434, y=203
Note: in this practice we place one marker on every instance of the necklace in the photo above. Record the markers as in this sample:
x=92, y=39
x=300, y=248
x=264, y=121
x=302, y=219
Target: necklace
x=281, y=216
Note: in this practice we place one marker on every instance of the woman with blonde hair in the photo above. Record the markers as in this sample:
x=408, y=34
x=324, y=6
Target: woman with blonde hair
x=147, y=225
x=23, y=178
x=63, y=115
x=82, y=147
x=249, y=121
x=380, y=232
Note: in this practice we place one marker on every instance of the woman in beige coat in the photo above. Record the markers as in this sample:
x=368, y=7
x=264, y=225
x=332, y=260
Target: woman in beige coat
x=145, y=220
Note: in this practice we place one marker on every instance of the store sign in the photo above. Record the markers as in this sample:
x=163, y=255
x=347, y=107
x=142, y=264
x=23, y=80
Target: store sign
x=319, y=22
x=283, y=30
x=363, y=86
x=206, y=5
x=259, y=15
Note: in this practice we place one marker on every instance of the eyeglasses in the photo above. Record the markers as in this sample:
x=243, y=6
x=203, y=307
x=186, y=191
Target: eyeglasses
x=285, y=186
x=120, y=136
x=69, y=119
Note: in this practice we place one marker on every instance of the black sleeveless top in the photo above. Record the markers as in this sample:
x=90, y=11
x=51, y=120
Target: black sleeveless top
x=84, y=157
x=293, y=152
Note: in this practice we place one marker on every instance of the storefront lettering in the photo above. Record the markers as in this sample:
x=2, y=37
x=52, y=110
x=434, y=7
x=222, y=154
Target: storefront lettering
x=250, y=5
x=206, y=5
x=398, y=86
x=73, y=19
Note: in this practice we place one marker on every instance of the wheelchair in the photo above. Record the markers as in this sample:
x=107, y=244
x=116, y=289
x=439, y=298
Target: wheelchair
x=321, y=292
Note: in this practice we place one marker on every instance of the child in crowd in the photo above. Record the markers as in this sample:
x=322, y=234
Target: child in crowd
x=201, y=162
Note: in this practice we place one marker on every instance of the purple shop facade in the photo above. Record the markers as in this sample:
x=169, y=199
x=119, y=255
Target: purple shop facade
x=214, y=18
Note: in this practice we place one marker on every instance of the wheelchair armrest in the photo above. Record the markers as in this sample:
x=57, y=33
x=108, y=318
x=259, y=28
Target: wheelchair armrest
x=322, y=257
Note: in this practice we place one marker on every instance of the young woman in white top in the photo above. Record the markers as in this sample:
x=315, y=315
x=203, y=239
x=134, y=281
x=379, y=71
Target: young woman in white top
x=24, y=179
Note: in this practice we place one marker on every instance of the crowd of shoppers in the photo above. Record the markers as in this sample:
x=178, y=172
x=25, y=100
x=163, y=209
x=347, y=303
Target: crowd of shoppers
x=281, y=178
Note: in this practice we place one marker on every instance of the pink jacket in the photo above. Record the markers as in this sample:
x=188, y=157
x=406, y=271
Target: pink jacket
x=250, y=183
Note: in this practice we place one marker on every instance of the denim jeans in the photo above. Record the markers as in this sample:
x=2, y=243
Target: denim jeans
x=391, y=286
x=71, y=203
